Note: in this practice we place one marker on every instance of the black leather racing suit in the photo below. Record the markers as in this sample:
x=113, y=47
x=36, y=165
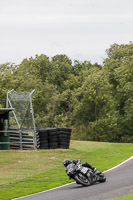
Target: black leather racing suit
x=84, y=164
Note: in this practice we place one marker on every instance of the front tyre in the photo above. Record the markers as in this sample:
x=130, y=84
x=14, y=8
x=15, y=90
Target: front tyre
x=81, y=179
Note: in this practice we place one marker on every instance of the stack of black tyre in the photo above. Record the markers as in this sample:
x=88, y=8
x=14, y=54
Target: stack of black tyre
x=64, y=135
x=53, y=138
x=43, y=137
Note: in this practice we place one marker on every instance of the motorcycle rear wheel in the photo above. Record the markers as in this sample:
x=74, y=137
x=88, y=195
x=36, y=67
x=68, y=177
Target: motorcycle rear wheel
x=102, y=178
x=82, y=180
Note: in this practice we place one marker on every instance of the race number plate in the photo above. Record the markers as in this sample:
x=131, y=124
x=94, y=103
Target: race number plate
x=84, y=170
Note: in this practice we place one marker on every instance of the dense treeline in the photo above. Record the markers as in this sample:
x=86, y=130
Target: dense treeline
x=95, y=101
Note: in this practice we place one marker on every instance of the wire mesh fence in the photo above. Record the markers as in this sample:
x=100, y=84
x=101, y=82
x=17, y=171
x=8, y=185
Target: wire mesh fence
x=22, y=120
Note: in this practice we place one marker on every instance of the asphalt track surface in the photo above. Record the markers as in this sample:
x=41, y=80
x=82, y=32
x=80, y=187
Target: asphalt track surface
x=119, y=183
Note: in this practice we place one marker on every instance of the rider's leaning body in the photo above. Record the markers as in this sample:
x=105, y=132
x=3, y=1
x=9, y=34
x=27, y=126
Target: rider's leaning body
x=67, y=161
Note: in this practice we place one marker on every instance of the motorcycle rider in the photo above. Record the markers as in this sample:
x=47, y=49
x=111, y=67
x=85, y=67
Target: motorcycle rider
x=67, y=161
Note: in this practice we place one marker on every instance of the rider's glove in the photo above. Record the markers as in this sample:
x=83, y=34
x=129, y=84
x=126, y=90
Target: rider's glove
x=94, y=169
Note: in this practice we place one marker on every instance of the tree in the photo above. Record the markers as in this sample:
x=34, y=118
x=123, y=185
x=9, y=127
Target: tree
x=61, y=69
x=119, y=64
x=93, y=103
x=6, y=80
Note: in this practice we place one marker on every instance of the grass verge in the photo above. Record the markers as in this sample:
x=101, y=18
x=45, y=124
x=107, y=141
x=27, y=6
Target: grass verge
x=127, y=197
x=27, y=172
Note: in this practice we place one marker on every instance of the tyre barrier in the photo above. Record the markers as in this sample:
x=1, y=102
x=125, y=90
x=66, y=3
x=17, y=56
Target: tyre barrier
x=43, y=138
x=64, y=138
x=53, y=138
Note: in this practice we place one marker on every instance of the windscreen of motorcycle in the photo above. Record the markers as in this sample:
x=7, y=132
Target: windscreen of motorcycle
x=70, y=169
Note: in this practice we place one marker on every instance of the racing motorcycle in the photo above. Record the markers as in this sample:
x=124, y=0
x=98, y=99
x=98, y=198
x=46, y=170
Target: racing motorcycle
x=82, y=175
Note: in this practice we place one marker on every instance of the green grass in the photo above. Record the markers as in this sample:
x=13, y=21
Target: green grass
x=27, y=172
x=127, y=197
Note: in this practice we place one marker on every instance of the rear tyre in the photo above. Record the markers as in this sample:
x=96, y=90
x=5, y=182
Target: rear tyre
x=81, y=179
x=102, y=178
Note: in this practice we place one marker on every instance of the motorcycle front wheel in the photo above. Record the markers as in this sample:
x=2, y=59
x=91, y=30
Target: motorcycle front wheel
x=81, y=179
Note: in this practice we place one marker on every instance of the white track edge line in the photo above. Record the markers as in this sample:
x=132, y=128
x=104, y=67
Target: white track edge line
x=74, y=182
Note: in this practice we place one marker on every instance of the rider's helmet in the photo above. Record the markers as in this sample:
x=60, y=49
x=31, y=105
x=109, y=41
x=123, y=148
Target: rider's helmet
x=66, y=162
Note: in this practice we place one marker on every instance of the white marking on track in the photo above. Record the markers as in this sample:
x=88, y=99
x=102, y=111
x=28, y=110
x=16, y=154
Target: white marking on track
x=74, y=182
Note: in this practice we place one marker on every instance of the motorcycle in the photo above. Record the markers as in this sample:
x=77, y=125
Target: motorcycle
x=83, y=176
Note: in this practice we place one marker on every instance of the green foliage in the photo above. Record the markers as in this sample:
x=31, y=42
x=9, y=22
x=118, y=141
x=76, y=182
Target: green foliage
x=119, y=64
x=96, y=101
